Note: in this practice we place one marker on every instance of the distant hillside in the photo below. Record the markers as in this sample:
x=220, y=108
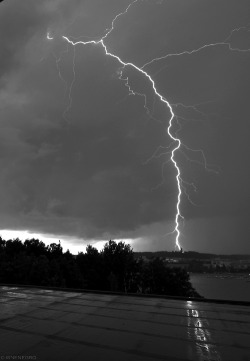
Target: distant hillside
x=188, y=255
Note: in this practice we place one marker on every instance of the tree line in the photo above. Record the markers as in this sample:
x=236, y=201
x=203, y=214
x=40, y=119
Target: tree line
x=113, y=268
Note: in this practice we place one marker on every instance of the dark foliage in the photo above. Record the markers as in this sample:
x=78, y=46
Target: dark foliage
x=156, y=278
x=114, y=268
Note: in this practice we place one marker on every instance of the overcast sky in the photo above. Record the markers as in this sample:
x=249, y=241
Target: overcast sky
x=84, y=161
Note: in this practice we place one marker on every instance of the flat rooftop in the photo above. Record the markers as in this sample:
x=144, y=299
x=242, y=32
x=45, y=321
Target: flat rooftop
x=42, y=324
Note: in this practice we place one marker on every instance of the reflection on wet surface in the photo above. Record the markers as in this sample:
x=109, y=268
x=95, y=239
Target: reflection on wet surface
x=19, y=295
x=199, y=332
x=49, y=324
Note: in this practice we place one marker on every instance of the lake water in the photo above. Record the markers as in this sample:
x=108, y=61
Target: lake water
x=227, y=287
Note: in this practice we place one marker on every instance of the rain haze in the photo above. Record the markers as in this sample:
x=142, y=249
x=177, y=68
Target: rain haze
x=84, y=146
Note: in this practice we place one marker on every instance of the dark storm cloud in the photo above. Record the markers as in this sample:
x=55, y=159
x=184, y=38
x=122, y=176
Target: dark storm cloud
x=87, y=172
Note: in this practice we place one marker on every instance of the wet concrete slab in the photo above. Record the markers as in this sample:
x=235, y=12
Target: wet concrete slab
x=40, y=324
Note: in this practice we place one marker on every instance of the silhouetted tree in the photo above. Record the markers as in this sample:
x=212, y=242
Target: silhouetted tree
x=91, y=267
x=39, y=271
x=156, y=278
x=2, y=244
x=14, y=247
x=55, y=250
x=35, y=247
x=119, y=264
x=70, y=271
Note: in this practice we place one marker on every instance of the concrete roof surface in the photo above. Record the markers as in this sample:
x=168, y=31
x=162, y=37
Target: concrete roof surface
x=42, y=324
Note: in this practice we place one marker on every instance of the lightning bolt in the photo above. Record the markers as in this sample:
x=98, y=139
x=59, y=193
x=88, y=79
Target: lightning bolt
x=58, y=60
x=176, y=140
x=70, y=89
x=176, y=143
x=226, y=43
